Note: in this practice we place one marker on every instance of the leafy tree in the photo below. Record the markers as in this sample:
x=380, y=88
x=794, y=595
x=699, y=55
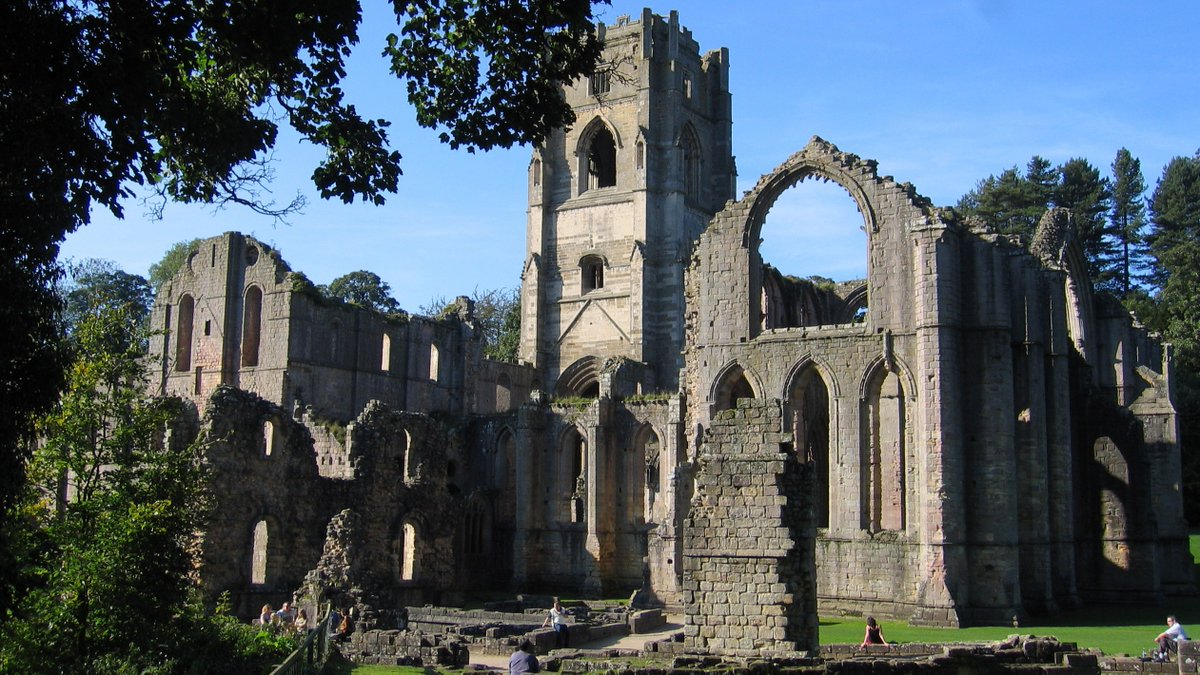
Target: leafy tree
x=1128, y=219
x=497, y=312
x=1081, y=189
x=171, y=262
x=94, y=283
x=113, y=512
x=186, y=99
x=364, y=289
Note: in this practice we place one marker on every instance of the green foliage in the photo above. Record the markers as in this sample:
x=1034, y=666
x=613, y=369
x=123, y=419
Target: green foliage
x=497, y=313
x=1082, y=190
x=470, y=63
x=364, y=289
x=656, y=397
x=1128, y=218
x=93, y=283
x=111, y=511
x=186, y=99
x=1174, y=242
x=172, y=261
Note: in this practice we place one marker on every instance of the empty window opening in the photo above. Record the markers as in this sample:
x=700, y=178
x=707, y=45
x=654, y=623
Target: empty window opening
x=385, y=358
x=251, y=255
x=536, y=170
x=591, y=273
x=602, y=160
x=409, y=566
x=687, y=86
x=251, y=325
x=268, y=438
x=258, y=554
x=652, y=480
x=639, y=154
x=814, y=253
x=884, y=462
x=434, y=362
x=183, y=334
x=808, y=403
x=213, y=259
x=573, y=456
x=207, y=327
x=198, y=387
x=600, y=82
x=733, y=386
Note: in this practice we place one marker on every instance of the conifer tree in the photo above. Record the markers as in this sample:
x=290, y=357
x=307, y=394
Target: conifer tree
x=1128, y=218
x=1081, y=189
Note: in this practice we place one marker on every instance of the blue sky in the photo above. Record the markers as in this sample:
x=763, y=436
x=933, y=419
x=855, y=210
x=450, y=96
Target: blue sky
x=941, y=94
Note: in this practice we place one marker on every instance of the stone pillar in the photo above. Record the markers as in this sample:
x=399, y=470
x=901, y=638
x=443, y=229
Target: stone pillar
x=1029, y=373
x=528, y=483
x=940, y=520
x=1060, y=474
x=749, y=571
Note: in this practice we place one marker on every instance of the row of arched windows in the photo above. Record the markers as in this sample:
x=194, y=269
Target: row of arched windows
x=405, y=550
x=599, y=151
x=251, y=329
x=884, y=446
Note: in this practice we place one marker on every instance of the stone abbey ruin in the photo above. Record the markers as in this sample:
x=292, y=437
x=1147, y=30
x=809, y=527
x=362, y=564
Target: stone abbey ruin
x=968, y=435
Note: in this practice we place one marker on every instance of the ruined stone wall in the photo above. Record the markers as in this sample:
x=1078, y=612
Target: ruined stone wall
x=749, y=576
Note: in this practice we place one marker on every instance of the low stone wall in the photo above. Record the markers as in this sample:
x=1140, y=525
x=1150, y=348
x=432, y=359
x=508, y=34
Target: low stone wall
x=405, y=648
x=646, y=621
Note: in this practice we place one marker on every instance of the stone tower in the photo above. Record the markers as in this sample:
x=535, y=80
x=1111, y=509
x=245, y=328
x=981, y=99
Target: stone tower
x=615, y=205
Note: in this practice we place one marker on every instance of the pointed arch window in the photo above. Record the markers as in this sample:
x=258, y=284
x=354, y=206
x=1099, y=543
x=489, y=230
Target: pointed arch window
x=183, y=333
x=601, y=159
x=251, y=325
x=884, y=482
x=689, y=147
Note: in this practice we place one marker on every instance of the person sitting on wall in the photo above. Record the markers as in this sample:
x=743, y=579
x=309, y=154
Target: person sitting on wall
x=264, y=618
x=874, y=634
x=1168, y=640
x=301, y=623
x=557, y=617
x=523, y=661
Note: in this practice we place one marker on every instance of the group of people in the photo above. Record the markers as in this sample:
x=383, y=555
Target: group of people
x=285, y=618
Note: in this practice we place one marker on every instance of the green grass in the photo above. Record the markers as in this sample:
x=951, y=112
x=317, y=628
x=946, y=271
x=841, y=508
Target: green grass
x=1112, y=630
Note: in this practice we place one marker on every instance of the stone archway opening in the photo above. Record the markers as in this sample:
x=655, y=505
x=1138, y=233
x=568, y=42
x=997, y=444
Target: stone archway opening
x=814, y=257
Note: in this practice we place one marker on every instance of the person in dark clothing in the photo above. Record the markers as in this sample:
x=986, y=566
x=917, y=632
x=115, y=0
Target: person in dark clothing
x=523, y=661
x=874, y=634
